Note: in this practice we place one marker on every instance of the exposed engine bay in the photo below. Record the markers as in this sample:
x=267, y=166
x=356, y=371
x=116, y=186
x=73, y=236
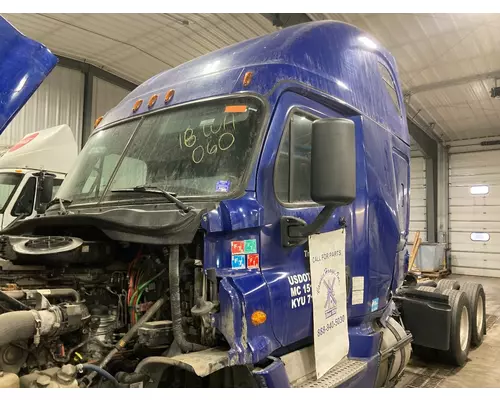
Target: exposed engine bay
x=81, y=313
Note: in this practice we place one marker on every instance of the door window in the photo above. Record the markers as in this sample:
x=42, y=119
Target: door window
x=25, y=203
x=292, y=180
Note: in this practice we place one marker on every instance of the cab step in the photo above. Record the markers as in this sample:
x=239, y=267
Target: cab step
x=339, y=374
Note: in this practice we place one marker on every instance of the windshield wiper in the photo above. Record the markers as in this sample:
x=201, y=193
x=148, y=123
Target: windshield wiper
x=154, y=189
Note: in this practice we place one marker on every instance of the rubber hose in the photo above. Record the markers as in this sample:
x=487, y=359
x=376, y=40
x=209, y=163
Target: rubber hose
x=100, y=371
x=129, y=335
x=16, y=304
x=16, y=325
x=175, y=303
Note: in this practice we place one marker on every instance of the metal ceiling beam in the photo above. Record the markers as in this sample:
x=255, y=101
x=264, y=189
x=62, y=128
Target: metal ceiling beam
x=287, y=19
x=428, y=145
x=453, y=82
x=96, y=71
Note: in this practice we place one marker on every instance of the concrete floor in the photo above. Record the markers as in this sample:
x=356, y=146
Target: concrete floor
x=483, y=368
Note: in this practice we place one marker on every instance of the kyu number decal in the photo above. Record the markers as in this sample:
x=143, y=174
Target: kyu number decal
x=300, y=290
x=244, y=254
x=329, y=298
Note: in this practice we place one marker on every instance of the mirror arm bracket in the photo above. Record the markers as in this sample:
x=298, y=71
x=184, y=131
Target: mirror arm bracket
x=295, y=231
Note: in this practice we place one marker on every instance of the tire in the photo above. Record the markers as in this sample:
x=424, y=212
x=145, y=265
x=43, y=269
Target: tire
x=445, y=284
x=426, y=289
x=477, y=299
x=460, y=330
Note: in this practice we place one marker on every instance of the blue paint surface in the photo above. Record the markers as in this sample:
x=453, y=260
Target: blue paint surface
x=24, y=64
x=298, y=53
x=274, y=375
x=324, y=69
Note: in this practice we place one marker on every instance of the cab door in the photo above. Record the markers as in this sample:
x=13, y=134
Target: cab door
x=283, y=187
x=22, y=203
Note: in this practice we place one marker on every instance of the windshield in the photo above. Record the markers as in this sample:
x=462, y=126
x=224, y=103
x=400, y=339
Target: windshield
x=8, y=184
x=201, y=149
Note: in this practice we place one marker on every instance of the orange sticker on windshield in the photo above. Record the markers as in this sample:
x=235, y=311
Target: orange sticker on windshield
x=235, y=109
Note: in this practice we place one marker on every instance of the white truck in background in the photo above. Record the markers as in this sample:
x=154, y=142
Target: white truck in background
x=32, y=171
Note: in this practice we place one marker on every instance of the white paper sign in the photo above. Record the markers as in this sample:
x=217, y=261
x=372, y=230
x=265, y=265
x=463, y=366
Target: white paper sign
x=327, y=261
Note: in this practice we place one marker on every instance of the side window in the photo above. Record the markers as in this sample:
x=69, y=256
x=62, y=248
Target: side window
x=292, y=182
x=390, y=86
x=26, y=201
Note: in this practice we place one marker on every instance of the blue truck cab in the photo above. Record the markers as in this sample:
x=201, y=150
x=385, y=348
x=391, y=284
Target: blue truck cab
x=212, y=167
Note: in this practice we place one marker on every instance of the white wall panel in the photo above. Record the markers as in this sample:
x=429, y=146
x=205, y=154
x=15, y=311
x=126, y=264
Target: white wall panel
x=58, y=100
x=418, y=220
x=475, y=213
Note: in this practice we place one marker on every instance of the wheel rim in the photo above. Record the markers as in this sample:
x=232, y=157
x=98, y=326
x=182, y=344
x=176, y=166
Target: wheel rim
x=479, y=315
x=464, y=328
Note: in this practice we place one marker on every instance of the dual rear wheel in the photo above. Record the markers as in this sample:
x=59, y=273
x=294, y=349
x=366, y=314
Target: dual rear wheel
x=468, y=317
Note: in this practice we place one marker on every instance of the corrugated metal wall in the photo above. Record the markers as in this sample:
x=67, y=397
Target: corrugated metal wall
x=58, y=100
x=105, y=95
x=418, y=221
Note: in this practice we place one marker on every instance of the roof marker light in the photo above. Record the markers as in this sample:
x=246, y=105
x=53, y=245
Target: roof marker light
x=137, y=105
x=247, y=79
x=152, y=100
x=97, y=122
x=169, y=95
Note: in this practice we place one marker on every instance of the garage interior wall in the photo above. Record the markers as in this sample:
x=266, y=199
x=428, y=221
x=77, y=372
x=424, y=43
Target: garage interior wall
x=58, y=100
x=105, y=96
x=418, y=221
x=474, y=211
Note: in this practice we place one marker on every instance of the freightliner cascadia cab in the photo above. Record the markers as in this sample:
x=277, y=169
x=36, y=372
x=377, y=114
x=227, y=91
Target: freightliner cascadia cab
x=239, y=220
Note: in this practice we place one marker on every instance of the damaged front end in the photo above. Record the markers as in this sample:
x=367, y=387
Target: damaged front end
x=157, y=304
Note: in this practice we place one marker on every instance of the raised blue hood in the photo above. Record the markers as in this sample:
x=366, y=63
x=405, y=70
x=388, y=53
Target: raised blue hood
x=24, y=64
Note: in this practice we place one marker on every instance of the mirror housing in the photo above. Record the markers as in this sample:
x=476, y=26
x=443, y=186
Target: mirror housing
x=333, y=176
x=45, y=191
x=333, y=162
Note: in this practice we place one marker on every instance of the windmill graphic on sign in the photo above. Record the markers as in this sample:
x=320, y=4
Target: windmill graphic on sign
x=331, y=302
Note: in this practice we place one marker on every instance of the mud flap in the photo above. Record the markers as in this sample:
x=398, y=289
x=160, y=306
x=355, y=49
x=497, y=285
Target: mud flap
x=433, y=308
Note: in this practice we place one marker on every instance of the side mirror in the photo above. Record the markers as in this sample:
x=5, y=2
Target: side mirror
x=45, y=191
x=333, y=176
x=333, y=162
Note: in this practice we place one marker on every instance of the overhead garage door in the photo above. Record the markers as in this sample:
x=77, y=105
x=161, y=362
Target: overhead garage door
x=475, y=213
x=417, y=198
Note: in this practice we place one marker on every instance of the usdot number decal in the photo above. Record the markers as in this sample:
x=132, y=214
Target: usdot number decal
x=300, y=290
